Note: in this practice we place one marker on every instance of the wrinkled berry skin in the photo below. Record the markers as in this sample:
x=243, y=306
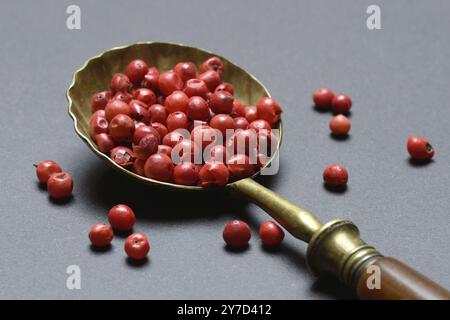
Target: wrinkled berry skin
x=420, y=149
x=335, y=176
x=45, y=169
x=60, y=185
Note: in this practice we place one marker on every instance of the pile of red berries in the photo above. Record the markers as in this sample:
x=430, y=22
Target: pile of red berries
x=59, y=184
x=237, y=234
x=121, y=218
x=183, y=125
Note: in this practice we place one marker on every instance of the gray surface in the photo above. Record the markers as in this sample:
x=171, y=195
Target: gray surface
x=398, y=78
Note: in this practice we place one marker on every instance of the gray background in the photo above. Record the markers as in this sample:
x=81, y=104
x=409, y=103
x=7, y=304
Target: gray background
x=398, y=78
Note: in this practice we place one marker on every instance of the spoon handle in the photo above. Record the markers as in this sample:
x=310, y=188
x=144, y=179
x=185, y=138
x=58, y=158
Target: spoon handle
x=335, y=248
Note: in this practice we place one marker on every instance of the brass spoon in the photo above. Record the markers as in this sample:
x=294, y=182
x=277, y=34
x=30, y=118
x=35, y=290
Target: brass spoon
x=334, y=248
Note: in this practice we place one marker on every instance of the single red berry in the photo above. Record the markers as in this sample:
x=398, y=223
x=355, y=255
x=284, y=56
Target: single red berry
x=225, y=86
x=341, y=104
x=151, y=79
x=138, y=167
x=60, y=185
x=268, y=109
x=137, y=246
x=335, y=176
x=222, y=122
x=205, y=135
x=136, y=70
x=186, y=150
x=236, y=234
x=322, y=98
x=143, y=130
x=221, y=102
x=162, y=129
x=101, y=235
x=240, y=123
x=139, y=111
x=196, y=87
x=240, y=166
x=340, y=125
x=250, y=113
x=213, y=174
x=238, y=107
x=104, y=142
x=122, y=96
x=145, y=95
x=271, y=234
x=185, y=70
x=197, y=109
x=158, y=113
x=172, y=138
x=211, y=78
x=98, y=124
x=115, y=107
x=165, y=150
x=177, y=120
x=121, y=217
x=45, y=169
x=176, y=101
x=213, y=63
x=185, y=173
x=168, y=82
x=159, y=167
x=147, y=146
x=260, y=124
x=120, y=82
x=121, y=128
x=100, y=99
x=419, y=148
x=123, y=156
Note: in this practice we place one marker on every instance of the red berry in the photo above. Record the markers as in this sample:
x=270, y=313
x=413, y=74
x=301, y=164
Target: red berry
x=244, y=140
x=238, y=107
x=177, y=120
x=45, y=169
x=123, y=156
x=100, y=99
x=138, y=167
x=213, y=174
x=159, y=167
x=121, y=217
x=165, y=150
x=186, y=150
x=145, y=95
x=217, y=153
x=196, y=87
x=236, y=233
x=101, y=235
x=341, y=104
x=172, y=138
x=151, y=79
x=168, y=82
x=105, y=142
x=211, y=78
x=158, y=113
x=213, y=63
x=115, y=107
x=340, y=125
x=260, y=124
x=335, y=176
x=271, y=234
x=185, y=70
x=139, y=111
x=121, y=128
x=205, y=135
x=176, y=101
x=137, y=246
x=197, y=109
x=122, y=96
x=225, y=86
x=322, y=98
x=60, y=185
x=250, y=113
x=98, y=124
x=240, y=123
x=136, y=70
x=142, y=131
x=419, y=148
x=120, y=82
x=147, y=146
x=185, y=173
x=221, y=102
x=240, y=166
x=268, y=109
x=162, y=129
x=222, y=122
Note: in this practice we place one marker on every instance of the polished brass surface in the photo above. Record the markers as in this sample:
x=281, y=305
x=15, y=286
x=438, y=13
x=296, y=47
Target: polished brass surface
x=299, y=222
x=96, y=74
x=336, y=249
